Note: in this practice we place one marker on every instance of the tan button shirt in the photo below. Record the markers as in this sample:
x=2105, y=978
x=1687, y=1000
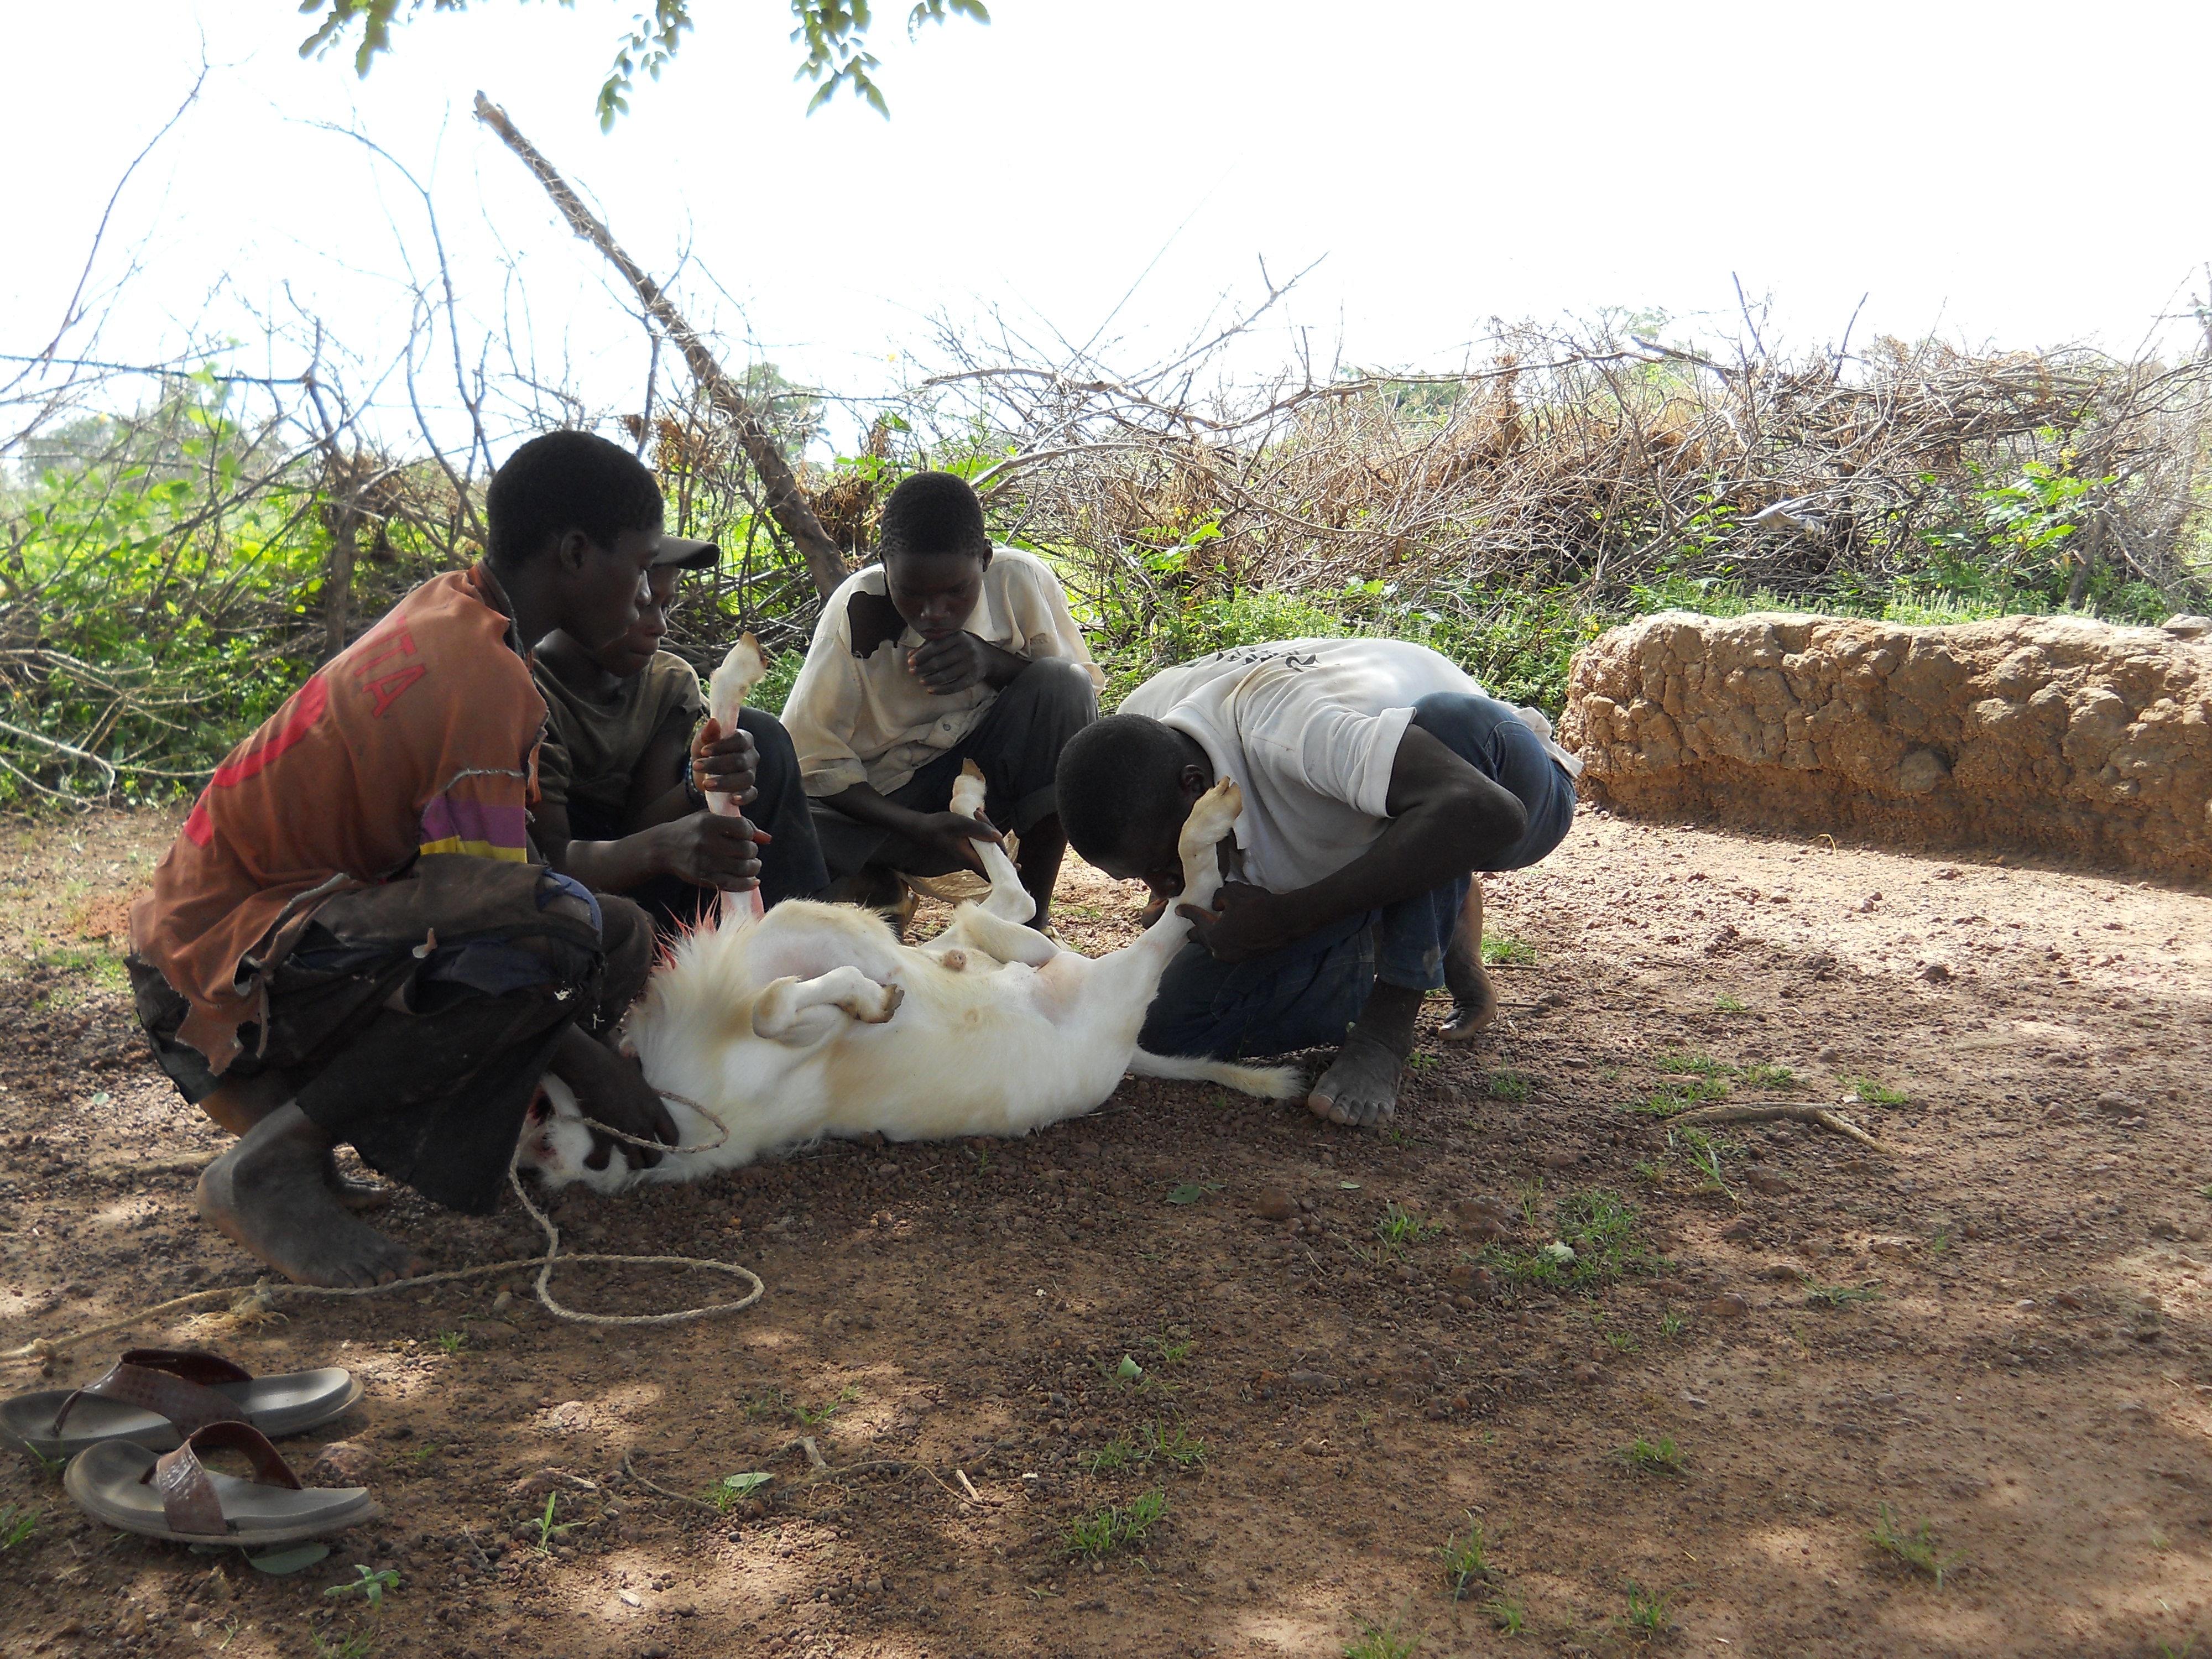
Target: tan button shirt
x=866, y=720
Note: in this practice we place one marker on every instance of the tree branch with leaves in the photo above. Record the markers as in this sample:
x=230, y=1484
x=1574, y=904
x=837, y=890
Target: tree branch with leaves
x=833, y=32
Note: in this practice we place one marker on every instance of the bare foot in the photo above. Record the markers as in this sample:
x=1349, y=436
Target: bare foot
x=1361, y=1089
x=266, y=1195
x=355, y=1195
x=1474, y=999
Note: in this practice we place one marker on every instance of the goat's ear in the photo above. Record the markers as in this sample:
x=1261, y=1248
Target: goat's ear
x=541, y=1108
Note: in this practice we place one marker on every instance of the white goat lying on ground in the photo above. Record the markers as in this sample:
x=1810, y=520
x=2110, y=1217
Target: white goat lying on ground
x=814, y=1020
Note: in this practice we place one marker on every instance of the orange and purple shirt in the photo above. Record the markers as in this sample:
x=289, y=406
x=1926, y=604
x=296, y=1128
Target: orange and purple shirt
x=418, y=737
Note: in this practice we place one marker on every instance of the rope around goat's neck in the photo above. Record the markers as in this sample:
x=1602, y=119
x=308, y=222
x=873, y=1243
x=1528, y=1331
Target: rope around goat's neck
x=262, y=1295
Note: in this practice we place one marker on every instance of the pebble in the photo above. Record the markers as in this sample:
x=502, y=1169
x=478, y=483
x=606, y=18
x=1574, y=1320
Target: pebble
x=1742, y=1228
x=1729, y=1306
x=1273, y=1204
x=653, y=1651
x=1313, y=1380
x=1561, y=1159
x=341, y=1463
x=1588, y=1372
x=1767, y=1184
x=2071, y=1301
x=489, y=1333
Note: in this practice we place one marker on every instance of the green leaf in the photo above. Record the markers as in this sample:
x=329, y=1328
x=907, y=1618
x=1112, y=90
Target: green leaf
x=1347, y=1186
x=282, y=1564
x=1128, y=1371
x=740, y=1485
x=1189, y=1193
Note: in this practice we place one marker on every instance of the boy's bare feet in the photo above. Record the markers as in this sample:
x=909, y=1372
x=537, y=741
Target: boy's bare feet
x=267, y=1195
x=1474, y=999
x=1361, y=1088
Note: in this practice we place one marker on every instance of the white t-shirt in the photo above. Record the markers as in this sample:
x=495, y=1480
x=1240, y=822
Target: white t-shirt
x=1309, y=729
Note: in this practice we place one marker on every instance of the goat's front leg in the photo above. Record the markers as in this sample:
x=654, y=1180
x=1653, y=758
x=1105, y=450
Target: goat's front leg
x=799, y=1011
x=1212, y=817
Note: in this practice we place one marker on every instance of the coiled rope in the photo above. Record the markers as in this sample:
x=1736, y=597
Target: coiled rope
x=264, y=1294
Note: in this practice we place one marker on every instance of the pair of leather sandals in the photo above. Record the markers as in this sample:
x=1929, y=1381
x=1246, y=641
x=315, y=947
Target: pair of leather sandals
x=133, y=1441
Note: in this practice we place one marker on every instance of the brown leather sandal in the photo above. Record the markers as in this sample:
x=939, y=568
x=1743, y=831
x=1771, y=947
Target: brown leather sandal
x=176, y=1497
x=156, y=1396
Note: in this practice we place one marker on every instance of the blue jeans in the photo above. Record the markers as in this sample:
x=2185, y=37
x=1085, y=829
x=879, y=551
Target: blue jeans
x=1305, y=994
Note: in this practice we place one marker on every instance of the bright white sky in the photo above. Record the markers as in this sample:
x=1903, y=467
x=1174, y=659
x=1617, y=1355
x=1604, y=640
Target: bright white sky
x=2018, y=175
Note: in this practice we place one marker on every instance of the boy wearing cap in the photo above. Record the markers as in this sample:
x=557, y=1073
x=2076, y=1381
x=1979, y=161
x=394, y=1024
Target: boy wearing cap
x=348, y=941
x=622, y=806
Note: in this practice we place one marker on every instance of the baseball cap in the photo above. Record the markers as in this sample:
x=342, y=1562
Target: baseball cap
x=686, y=554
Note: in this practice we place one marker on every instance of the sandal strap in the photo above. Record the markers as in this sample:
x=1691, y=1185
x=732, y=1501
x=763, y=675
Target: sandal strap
x=189, y=1503
x=171, y=1382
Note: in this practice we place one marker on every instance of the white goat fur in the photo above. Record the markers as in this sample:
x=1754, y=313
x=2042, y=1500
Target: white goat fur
x=814, y=1020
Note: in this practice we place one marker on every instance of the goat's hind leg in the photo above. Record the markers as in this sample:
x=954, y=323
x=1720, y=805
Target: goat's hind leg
x=799, y=1011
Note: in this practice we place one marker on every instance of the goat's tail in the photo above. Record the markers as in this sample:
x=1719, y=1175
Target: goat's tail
x=1265, y=1082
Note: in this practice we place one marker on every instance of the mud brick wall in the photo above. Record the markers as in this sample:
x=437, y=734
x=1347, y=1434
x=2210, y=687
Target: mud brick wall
x=2054, y=735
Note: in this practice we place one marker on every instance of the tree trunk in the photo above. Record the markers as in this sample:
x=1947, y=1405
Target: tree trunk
x=787, y=503
x=338, y=576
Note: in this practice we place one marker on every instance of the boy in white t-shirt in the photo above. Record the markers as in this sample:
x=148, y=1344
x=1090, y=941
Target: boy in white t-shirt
x=1377, y=780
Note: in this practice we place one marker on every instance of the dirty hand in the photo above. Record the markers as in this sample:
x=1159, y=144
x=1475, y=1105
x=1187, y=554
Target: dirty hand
x=1245, y=923
x=708, y=849
x=727, y=764
x=953, y=836
x=950, y=664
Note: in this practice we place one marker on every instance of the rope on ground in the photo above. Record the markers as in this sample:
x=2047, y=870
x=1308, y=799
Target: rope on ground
x=262, y=1295
x=1793, y=1111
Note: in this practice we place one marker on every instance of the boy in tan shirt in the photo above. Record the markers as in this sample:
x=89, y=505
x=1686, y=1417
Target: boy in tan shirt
x=949, y=650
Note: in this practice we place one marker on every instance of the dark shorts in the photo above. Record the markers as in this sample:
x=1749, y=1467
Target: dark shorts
x=1305, y=995
x=1017, y=746
x=791, y=861
x=424, y=1055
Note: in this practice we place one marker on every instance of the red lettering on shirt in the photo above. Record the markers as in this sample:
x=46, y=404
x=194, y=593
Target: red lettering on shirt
x=394, y=641
x=386, y=690
x=307, y=708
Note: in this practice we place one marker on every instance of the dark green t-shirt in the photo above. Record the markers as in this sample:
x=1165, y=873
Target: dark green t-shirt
x=591, y=749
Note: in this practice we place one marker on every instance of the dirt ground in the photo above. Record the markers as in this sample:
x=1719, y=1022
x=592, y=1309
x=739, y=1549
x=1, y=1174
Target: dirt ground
x=1998, y=1332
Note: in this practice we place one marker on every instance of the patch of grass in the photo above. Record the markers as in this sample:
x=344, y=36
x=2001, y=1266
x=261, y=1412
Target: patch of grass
x=1464, y=1559
x=1671, y=1098
x=368, y=1585
x=1766, y=1076
x=1507, y=1614
x=732, y=1490
x=1875, y=1094
x=1725, y=1004
x=1399, y=1226
x=1528, y=1194
x=1596, y=1242
x=547, y=1533
x=1174, y=1347
x=451, y=1342
x=1104, y=1530
x=1621, y=1341
x=1382, y=1641
x=16, y=1526
x=1417, y=1061
x=1173, y=1445
x=1509, y=1085
x=1695, y=1065
x=1939, y=1242
x=776, y=1403
x=1648, y=1613
x=1660, y=1456
x=356, y=1645
x=1704, y=1151
x=1818, y=1295
x=1672, y=1324
x=1917, y=1549
x=1116, y=1455
x=1501, y=951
